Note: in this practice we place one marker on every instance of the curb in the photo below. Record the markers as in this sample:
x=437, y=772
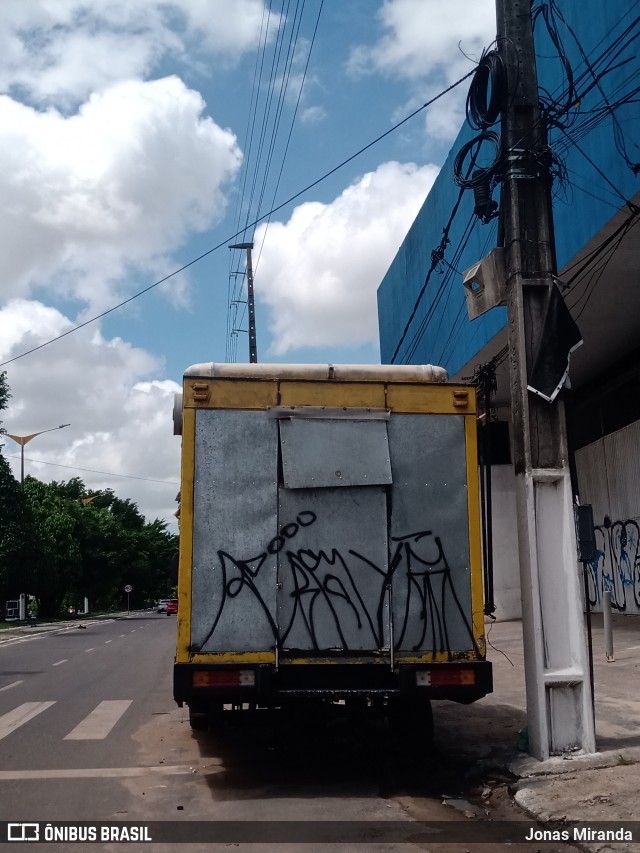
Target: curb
x=528, y=767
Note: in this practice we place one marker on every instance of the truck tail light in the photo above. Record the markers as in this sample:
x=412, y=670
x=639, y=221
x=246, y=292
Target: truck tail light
x=442, y=676
x=224, y=678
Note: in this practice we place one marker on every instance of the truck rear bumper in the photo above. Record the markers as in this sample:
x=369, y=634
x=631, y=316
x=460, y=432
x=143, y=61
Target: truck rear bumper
x=460, y=681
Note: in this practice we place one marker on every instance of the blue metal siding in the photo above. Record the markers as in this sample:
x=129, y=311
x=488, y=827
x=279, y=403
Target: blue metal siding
x=578, y=215
x=447, y=337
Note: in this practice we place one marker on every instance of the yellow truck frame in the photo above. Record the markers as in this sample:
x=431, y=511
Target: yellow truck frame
x=405, y=441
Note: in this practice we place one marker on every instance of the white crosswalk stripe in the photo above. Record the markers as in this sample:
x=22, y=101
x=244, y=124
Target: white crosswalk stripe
x=98, y=724
x=19, y=716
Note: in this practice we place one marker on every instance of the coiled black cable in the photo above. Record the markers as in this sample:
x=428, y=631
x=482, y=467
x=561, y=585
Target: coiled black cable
x=475, y=176
x=487, y=94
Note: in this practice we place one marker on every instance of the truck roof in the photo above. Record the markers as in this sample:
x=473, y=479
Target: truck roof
x=336, y=372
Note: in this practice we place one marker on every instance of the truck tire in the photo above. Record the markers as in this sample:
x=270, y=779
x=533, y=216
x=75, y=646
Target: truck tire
x=413, y=714
x=198, y=720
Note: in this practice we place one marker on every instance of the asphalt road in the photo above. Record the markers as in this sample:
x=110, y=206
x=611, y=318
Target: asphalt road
x=71, y=702
x=89, y=732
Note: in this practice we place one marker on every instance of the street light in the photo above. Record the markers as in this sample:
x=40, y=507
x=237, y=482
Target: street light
x=25, y=439
x=22, y=440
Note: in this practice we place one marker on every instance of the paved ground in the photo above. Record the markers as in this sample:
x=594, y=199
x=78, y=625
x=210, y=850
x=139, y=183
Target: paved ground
x=574, y=788
x=587, y=789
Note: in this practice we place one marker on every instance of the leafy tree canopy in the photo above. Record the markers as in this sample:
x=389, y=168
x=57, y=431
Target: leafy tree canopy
x=61, y=542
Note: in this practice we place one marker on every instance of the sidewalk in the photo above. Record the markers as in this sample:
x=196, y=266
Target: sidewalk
x=604, y=786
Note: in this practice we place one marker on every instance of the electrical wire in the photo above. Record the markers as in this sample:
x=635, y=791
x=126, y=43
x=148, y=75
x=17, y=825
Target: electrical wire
x=228, y=239
x=92, y=470
x=295, y=113
x=622, y=196
x=479, y=121
x=487, y=96
x=284, y=85
x=435, y=258
x=599, y=272
x=234, y=290
x=483, y=174
x=618, y=133
x=459, y=323
x=605, y=250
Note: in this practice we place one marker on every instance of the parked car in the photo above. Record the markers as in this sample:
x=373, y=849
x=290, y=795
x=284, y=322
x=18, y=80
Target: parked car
x=162, y=605
x=172, y=607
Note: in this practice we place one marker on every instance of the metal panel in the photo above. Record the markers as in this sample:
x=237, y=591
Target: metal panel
x=332, y=569
x=592, y=479
x=330, y=413
x=430, y=534
x=609, y=478
x=623, y=471
x=328, y=453
x=235, y=520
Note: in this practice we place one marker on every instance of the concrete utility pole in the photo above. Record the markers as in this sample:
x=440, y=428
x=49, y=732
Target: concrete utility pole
x=559, y=710
x=253, y=347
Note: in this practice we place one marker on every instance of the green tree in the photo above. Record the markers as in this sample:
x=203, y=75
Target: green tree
x=15, y=533
x=15, y=522
x=5, y=395
x=56, y=562
x=61, y=543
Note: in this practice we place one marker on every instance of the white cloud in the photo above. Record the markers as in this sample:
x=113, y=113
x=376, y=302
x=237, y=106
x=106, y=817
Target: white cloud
x=118, y=184
x=319, y=272
x=423, y=42
x=58, y=51
x=120, y=415
x=313, y=115
x=422, y=36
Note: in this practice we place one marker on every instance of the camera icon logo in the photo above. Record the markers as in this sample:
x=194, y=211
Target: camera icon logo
x=23, y=832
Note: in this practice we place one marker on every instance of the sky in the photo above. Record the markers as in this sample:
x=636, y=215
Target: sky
x=142, y=138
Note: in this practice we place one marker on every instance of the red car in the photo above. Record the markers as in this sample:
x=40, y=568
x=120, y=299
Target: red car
x=172, y=606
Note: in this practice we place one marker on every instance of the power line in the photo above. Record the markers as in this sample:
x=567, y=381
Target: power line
x=228, y=239
x=295, y=113
x=603, y=254
x=443, y=287
x=236, y=325
x=92, y=470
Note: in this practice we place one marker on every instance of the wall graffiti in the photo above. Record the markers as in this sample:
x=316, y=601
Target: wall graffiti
x=420, y=558
x=328, y=597
x=616, y=567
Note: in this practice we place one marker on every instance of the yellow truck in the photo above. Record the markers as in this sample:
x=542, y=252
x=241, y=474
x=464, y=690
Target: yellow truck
x=329, y=539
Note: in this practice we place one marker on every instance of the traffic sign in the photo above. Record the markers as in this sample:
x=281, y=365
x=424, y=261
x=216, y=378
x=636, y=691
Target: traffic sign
x=128, y=588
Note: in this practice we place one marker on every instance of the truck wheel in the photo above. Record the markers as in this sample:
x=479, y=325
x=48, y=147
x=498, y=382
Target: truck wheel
x=413, y=714
x=198, y=720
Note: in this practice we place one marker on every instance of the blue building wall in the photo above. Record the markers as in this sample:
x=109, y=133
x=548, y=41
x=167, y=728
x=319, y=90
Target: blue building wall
x=441, y=332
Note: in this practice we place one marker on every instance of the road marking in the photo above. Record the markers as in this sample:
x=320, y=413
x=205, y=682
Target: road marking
x=92, y=649
x=100, y=772
x=9, y=686
x=14, y=641
x=60, y=662
x=45, y=632
x=122, y=635
x=21, y=715
x=108, y=641
x=632, y=648
x=100, y=721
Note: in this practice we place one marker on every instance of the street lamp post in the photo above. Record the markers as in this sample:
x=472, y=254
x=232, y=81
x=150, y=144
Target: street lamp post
x=25, y=439
x=22, y=440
